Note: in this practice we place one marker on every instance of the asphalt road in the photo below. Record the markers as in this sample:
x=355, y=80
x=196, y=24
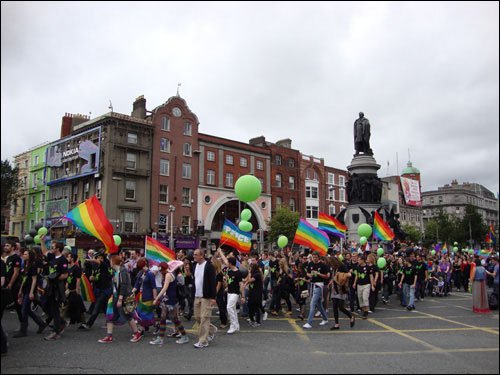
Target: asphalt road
x=442, y=335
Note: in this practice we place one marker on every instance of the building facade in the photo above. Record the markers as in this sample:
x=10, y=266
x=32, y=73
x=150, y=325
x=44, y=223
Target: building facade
x=38, y=192
x=19, y=206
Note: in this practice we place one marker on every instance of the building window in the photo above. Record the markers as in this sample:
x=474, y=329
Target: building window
x=163, y=223
x=74, y=195
x=261, y=180
x=164, y=167
x=291, y=180
x=165, y=124
x=311, y=192
x=131, y=160
x=98, y=188
x=229, y=159
x=331, y=210
x=331, y=194
x=132, y=138
x=35, y=180
x=229, y=180
x=187, y=128
x=277, y=159
x=291, y=163
x=243, y=162
x=33, y=203
x=86, y=191
x=42, y=202
x=186, y=170
x=210, y=156
x=331, y=179
x=292, y=205
x=164, y=145
x=23, y=206
x=186, y=224
x=32, y=224
x=26, y=164
x=440, y=199
x=260, y=165
x=36, y=159
x=25, y=182
x=129, y=189
x=278, y=180
x=311, y=212
x=187, y=149
x=163, y=198
x=279, y=202
x=316, y=175
x=432, y=200
x=130, y=221
x=342, y=195
x=457, y=198
x=210, y=177
x=308, y=175
x=341, y=180
x=186, y=196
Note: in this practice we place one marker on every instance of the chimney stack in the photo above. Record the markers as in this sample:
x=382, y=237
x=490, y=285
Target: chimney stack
x=70, y=120
x=139, y=108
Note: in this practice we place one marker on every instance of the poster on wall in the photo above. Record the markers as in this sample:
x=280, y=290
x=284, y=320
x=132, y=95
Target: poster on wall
x=411, y=191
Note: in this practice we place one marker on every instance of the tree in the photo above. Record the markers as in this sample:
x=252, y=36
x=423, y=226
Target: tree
x=284, y=222
x=10, y=183
x=472, y=224
x=413, y=232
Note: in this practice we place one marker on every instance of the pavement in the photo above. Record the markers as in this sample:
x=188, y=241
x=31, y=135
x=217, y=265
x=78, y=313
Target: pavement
x=442, y=335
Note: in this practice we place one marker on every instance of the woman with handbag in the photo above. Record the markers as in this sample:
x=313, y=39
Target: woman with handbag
x=146, y=285
x=339, y=286
x=121, y=304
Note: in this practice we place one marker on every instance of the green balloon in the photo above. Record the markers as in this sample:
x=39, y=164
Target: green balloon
x=42, y=230
x=365, y=230
x=37, y=239
x=433, y=252
x=455, y=249
x=245, y=226
x=363, y=240
x=248, y=188
x=246, y=214
x=455, y=243
x=341, y=258
x=471, y=251
x=381, y=262
x=380, y=251
x=118, y=239
x=282, y=242
x=68, y=247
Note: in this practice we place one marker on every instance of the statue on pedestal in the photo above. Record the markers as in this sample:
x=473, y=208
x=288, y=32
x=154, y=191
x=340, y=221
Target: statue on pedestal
x=362, y=135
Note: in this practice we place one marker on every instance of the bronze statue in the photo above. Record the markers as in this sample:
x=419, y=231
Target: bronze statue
x=362, y=135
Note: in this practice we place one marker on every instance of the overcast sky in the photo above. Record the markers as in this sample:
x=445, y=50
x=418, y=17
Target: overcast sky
x=426, y=75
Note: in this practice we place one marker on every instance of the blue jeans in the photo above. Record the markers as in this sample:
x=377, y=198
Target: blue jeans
x=316, y=299
x=26, y=311
x=244, y=307
x=408, y=291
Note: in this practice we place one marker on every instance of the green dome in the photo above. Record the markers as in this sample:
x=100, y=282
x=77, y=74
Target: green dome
x=410, y=169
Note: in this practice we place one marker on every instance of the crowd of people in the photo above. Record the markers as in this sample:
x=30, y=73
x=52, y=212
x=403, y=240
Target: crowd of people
x=39, y=281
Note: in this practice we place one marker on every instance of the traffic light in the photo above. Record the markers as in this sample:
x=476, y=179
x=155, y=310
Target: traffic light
x=266, y=237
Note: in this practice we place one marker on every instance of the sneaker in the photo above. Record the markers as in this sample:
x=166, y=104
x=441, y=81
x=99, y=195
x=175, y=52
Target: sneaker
x=256, y=325
x=370, y=312
x=137, y=337
x=211, y=337
x=264, y=317
x=157, y=330
x=199, y=345
x=323, y=323
x=174, y=335
x=106, y=339
x=318, y=313
x=275, y=313
x=297, y=309
x=358, y=310
x=249, y=321
x=307, y=326
x=157, y=341
x=168, y=321
x=408, y=308
x=232, y=330
x=52, y=336
x=83, y=327
x=185, y=339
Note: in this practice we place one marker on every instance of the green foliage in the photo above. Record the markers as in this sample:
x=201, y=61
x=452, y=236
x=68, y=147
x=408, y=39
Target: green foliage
x=413, y=232
x=10, y=183
x=284, y=222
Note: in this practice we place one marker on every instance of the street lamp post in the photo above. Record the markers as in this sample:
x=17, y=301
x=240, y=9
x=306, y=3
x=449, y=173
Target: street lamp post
x=172, y=210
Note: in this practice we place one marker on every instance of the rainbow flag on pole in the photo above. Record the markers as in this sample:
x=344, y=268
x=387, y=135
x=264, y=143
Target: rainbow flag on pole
x=233, y=236
x=311, y=237
x=156, y=252
x=483, y=252
x=381, y=230
x=490, y=238
x=444, y=250
x=89, y=217
x=331, y=225
x=86, y=289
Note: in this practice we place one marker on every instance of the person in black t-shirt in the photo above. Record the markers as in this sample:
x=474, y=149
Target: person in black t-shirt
x=274, y=274
x=408, y=282
x=235, y=289
x=363, y=282
x=76, y=308
x=319, y=273
x=421, y=268
x=255, y=295
x=3, y=303
x=103, y=287
x=13, y=276
x=27, y=294
x=352, y=266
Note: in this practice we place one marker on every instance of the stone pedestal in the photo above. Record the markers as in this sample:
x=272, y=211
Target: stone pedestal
x=364, y=190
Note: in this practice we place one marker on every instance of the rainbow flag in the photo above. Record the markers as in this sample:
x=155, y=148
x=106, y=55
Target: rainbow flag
x=490, y=238
x=89, y=217
x=86, y=289
x=331, y=226
x=311, y=237
x=156, y=252
x=483, y=252
x=232, y=236
x=381, y=230
x=444, y=250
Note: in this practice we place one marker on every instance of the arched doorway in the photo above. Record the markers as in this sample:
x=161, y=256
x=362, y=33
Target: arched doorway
x=230, y=210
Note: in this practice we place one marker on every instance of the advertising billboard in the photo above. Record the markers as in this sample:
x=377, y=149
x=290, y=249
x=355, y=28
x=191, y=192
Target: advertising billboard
x=411, y=191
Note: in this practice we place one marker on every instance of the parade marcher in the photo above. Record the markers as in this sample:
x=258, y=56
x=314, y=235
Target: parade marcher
x=408, y=283
x=275, y=295
x=339, y=289
x=146, y=286
x=285, y=284
x=131, y=265
x=421, y=269
x=76, y=308
x=13, y=277
x=479, y=293
x=375, y=287
x=318, y=273
x=302, y=289
x=363, y=282
x=352, y=266
x=3, y=303
x=204, y=290
x=188, y=288
x=255, y=295
x=167, y=298
x=121, y=289
x=28, y=293
x=221, y=292
x=235, y=293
